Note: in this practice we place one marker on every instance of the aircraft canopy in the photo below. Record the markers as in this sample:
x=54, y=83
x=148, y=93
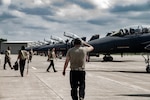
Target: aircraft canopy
x=130, y=30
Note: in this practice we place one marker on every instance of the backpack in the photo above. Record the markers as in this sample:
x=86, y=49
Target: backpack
x=15, y=66
x=24, y=54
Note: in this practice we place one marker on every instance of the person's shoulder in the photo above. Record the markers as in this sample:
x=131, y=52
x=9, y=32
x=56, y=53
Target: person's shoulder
x=7, y=51
x=25, y=51
x=71, y=49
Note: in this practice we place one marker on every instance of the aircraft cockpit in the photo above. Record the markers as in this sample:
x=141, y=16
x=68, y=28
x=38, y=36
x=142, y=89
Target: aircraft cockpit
x=130, y=31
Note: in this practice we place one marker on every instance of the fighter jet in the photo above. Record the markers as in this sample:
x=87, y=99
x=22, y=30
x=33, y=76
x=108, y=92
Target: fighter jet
x=36, y=45
x=133, y=39
x=60, y=45
x=63, y=45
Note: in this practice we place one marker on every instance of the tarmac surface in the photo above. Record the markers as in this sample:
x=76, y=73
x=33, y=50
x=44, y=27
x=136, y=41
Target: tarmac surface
x=123, y=79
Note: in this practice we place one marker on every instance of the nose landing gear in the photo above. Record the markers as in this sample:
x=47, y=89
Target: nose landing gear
x=147, y=61
x=148, y=68
x=108, y=58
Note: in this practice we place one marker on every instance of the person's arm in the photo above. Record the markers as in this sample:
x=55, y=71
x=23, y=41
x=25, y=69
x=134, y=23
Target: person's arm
x=18, y=55
x=7, y=54
x=90, y=47
x=54, y=56
x=66, y=65
x=28, y=60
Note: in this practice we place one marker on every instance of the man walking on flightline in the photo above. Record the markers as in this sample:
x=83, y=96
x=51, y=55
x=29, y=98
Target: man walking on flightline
x=77, y=58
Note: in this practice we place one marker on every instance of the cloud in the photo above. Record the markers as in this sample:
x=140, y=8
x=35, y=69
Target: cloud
x=132, y=7
x=5, y=2
x=52, y=17
x=36, y=27
x=104, y=21
x=38, y=2
x=82, y=4
x=100, y=4
x=37, y=11
x=5, y=16
x=72, y=11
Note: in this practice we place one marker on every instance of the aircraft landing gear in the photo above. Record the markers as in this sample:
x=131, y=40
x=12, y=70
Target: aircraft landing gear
x=148, y=68
x=108, y=58
x=147, y=61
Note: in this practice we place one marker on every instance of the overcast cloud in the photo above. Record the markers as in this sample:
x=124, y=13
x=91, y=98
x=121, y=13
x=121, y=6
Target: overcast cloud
x=34, y=20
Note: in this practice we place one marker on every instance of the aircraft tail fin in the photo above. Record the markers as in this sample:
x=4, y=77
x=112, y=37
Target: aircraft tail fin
x=94, y=37
x=70, y=35
x=83, y=38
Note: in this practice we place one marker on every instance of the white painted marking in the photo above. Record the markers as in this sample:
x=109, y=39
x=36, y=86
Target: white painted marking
x=34, y=68
x=124, y=83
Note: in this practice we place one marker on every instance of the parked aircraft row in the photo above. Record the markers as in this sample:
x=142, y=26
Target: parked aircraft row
x=133, y=39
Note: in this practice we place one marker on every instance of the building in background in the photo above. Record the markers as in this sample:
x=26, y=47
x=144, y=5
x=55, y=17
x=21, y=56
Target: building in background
x=15, y=46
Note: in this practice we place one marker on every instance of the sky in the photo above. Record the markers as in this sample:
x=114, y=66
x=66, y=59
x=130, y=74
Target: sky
x=36, y=20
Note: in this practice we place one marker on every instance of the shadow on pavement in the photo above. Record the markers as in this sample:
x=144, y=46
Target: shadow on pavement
x=135, y=95
x=9, y=76
x=113, y=61
x=140, y=72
